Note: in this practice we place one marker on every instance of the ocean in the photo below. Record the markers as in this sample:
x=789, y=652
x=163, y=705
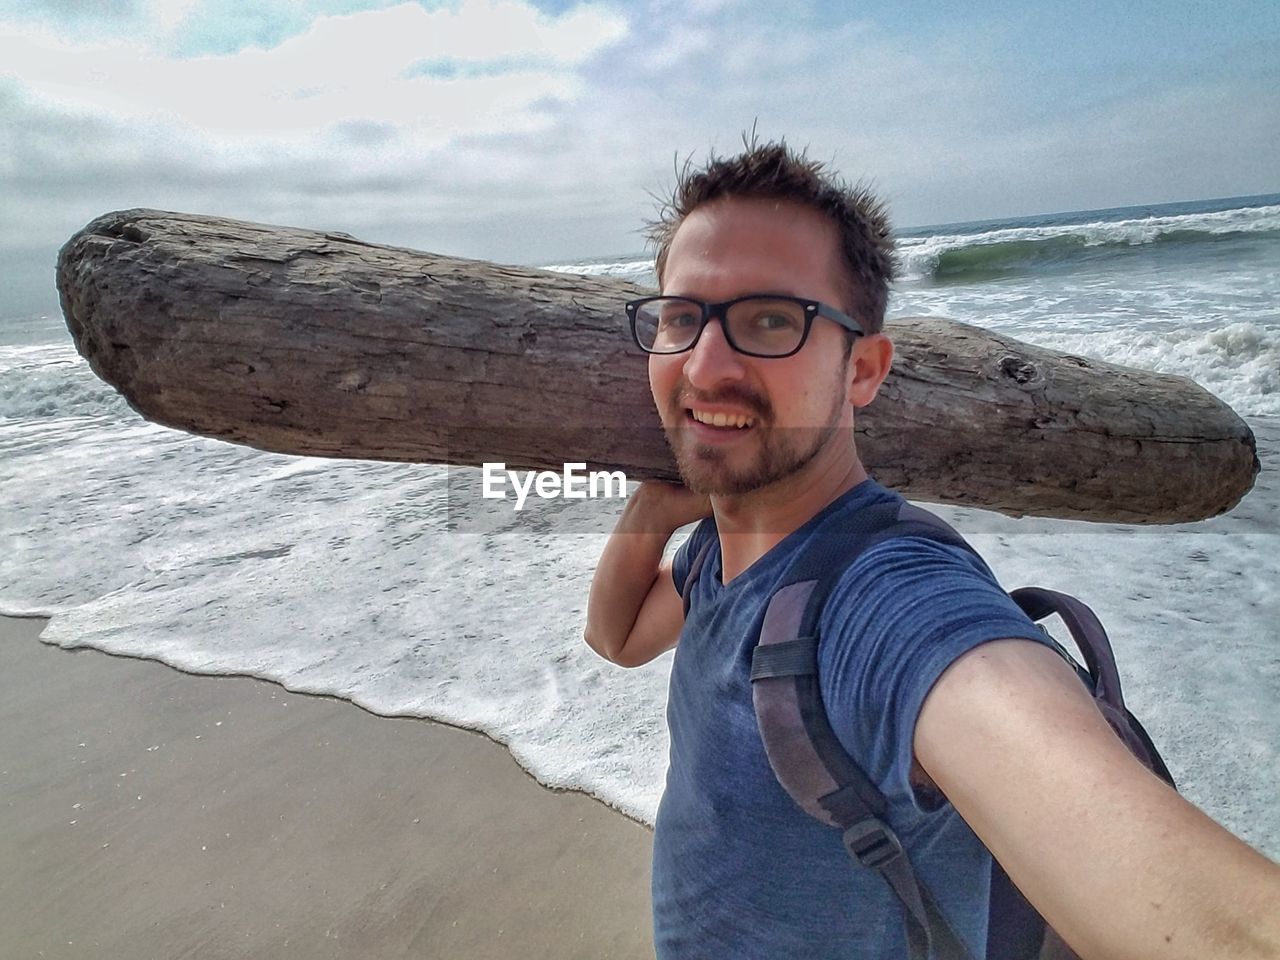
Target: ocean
x=343, y=577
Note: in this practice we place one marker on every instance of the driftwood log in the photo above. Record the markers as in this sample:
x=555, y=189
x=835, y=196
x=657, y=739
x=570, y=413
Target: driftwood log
x=319, y=344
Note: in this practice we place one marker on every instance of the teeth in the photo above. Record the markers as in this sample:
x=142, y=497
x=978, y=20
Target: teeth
x=722, y=419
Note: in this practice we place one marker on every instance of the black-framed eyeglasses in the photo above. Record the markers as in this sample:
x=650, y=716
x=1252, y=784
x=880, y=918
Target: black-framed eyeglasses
x=759, y=325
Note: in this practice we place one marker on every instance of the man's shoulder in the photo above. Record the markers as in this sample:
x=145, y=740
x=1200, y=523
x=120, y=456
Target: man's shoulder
x=890, y=554
x=917, y=581
x=868, y=493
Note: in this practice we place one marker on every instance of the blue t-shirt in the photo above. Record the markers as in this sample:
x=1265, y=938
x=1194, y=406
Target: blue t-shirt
x=739, y=870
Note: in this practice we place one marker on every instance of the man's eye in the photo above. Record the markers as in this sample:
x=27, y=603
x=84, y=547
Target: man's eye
x=677, y=320
x=774, y=321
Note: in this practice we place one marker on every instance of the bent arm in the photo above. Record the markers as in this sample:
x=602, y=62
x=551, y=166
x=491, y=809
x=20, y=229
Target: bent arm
x=634, y=612
x=1117, y=862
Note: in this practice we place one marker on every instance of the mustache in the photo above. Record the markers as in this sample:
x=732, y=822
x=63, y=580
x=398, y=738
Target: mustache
x=736, y=394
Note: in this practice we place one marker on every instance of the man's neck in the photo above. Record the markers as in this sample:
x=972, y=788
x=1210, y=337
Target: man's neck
x=753, y=524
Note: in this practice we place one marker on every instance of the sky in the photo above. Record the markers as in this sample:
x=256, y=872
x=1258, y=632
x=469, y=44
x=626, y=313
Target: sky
x=540, y=131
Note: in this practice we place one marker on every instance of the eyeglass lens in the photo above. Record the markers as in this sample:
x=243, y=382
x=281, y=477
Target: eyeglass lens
x=759, y=325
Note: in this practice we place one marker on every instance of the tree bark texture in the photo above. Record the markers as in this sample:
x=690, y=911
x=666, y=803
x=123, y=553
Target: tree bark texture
x=316, y=343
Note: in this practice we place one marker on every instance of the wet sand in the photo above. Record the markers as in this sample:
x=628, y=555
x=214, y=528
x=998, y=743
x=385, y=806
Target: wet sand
x=151, y=813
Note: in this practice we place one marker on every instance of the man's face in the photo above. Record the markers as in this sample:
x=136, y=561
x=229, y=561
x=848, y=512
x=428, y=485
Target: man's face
x=778, y=414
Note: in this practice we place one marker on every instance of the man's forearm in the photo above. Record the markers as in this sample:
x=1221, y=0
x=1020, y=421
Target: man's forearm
x=628, y=570
x=626, y=573
x=624, y=577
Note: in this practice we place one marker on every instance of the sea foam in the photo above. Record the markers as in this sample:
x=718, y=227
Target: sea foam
x=51, y=380
x=1239, y=362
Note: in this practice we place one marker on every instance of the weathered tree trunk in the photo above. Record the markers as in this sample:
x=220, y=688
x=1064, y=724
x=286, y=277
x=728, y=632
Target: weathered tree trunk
x=319, y=344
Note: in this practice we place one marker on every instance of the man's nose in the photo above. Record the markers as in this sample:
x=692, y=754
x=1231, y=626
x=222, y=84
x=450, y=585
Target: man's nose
x=712, y=360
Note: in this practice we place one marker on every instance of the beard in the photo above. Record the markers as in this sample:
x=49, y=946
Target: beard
x=779, y=452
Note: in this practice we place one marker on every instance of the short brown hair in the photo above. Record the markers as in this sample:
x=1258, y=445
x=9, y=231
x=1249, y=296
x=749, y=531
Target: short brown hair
x=773, y=171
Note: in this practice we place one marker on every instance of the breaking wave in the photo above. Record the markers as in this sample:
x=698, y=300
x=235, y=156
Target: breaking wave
x=961, y=257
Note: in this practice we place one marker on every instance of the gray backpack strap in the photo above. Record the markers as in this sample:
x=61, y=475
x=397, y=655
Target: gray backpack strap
x=806, y=756
x=1100, y=674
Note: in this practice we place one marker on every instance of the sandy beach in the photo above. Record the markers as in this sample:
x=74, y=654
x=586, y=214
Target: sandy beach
x=148, y=813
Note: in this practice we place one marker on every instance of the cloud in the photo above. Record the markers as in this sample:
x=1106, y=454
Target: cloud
x=335, y=118
x=350, y=67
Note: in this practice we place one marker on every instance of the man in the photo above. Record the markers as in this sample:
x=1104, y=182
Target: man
x=774, y=279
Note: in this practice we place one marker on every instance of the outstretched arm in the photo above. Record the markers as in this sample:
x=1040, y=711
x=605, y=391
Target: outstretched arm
x=634, y=612
x=1117, y=862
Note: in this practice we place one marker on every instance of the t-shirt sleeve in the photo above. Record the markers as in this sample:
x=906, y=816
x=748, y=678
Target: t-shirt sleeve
x=683, y=560
x=900, y=615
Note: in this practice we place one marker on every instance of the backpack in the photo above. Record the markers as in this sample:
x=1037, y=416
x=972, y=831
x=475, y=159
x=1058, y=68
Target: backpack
x=813, y=767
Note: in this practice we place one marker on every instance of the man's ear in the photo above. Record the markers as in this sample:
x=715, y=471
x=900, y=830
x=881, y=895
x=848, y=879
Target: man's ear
x=868, y=366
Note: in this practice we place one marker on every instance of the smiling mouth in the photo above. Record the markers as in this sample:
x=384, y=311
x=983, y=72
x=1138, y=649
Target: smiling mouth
x=733, y=421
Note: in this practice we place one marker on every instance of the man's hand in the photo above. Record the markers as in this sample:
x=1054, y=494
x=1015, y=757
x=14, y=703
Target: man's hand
x=634, y=612
x=1110, y=855
x=658, y=506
